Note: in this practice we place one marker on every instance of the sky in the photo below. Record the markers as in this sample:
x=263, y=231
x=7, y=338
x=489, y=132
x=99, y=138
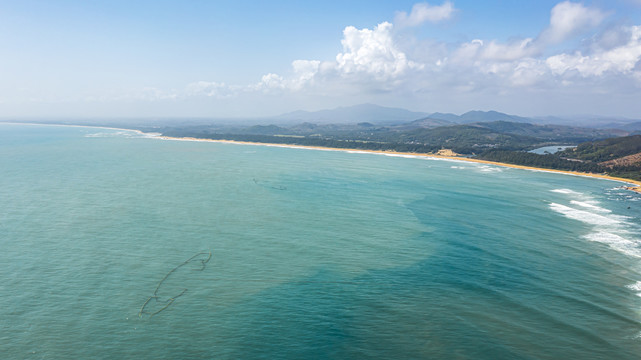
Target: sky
x=215, y=59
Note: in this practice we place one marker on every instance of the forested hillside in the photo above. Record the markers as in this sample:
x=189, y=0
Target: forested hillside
x=605, y=150
x=619, y=157
x=598, y=150
x=420, y=135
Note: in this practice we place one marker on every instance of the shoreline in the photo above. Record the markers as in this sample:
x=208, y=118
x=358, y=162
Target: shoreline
x=636, y=185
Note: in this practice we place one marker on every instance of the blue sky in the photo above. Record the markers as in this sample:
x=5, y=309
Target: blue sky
x=261, y=58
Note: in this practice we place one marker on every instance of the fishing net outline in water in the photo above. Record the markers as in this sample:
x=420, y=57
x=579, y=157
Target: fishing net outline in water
x=169, y=301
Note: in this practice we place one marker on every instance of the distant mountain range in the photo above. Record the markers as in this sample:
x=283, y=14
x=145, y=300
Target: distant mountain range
x=353, y=114
x=479, y=116
x=605, y=145
x=362, y=114
x=381, y=115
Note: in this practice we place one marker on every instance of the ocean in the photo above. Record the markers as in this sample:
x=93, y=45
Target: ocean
x=116, y=244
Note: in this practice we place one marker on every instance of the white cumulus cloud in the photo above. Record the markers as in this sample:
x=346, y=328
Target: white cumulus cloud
x=380, y=60
x=513, y=51
x=304, y=72
x=270, y=82
x=424, y=12
x=568, y=19
x=372, y=52
x=620, y=59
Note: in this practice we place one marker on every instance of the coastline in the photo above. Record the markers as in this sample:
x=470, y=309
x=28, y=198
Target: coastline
x=635, y=185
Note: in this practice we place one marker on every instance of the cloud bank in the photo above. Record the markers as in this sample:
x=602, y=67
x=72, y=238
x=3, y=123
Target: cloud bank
x=575, y=53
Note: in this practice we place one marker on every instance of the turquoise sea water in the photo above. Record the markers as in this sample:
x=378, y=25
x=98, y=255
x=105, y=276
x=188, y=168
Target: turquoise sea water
x=314, y=254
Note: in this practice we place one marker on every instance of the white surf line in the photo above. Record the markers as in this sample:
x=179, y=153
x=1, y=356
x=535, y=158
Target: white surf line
x=375, y=152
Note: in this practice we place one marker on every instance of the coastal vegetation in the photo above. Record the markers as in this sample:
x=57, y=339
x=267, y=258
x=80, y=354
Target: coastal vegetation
x=423, y=135
x=547, y=161
x=605, y=150
x=617, y=157
x=497, y=137
x=598, y=151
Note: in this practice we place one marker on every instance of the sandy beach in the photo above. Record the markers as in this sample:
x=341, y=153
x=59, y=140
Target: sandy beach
x=634, y=185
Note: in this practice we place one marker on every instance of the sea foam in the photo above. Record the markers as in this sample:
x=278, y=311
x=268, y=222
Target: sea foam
x=590, y=205
x=607, y=228
x=487, y=168
x=403, y=156
x=584, y=216
x=566, y=191
x=616, y=242
x=635, y=287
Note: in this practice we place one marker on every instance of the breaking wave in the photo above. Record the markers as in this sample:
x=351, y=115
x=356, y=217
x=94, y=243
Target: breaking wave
x=607, y=228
